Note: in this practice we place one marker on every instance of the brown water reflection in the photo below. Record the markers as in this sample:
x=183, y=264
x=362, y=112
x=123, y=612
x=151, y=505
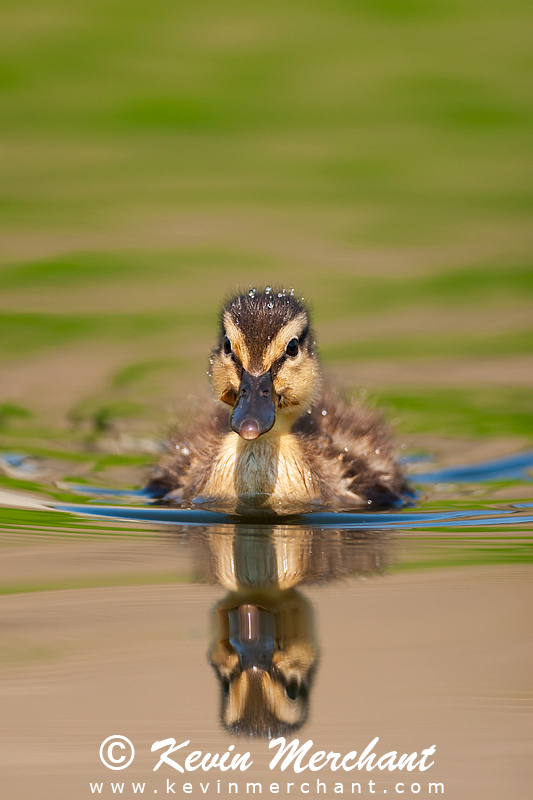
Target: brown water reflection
x=416, y=656
x=264, y=649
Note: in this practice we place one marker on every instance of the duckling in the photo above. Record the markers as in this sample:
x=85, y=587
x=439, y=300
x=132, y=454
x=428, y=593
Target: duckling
x=265, y=656
x=275, y=439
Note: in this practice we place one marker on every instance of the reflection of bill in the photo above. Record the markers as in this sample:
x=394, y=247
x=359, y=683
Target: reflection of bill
x=264, y=649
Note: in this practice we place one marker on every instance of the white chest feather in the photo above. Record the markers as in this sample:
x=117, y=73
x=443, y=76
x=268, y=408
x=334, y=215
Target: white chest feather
x=270, y=465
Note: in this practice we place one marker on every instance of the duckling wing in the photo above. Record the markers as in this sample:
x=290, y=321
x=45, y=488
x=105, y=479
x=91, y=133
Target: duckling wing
x=357, y=451
x=180, y=473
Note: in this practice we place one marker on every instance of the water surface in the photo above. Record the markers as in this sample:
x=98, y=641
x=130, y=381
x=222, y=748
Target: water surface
x=125, y=617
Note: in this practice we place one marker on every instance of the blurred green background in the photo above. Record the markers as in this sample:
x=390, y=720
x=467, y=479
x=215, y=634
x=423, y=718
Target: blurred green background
x=375, y=155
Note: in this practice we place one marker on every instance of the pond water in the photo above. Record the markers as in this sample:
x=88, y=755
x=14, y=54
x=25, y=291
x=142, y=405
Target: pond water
x=401, y=632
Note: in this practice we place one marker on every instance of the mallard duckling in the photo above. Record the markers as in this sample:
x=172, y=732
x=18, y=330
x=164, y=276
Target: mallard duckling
x=275, y=440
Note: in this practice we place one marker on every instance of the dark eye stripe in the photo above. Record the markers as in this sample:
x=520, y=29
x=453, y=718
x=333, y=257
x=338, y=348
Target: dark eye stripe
x=303, y=334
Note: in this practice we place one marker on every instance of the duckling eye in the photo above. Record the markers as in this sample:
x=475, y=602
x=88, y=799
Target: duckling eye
x=293, y=690
x=227, y=346
x=292, y=348
x=225, y=686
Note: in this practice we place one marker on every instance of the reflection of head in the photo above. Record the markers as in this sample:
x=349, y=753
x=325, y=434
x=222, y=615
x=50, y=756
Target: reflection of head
x=265, y=674
x=262, y=704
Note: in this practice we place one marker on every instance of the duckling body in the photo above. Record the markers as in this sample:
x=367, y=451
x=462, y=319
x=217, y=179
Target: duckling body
x=277, y=441
x=273, y=466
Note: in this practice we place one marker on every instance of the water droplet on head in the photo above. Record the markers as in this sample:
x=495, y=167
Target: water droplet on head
x=268, y=289
x=270, y=305
x=252, y=292
x=324, y=412
x=377, y=451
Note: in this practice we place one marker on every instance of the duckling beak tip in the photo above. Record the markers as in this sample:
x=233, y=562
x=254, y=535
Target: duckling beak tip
x=249, y=429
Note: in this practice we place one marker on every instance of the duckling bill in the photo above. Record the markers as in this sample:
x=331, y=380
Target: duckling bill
x=254, y=411
x=274, y=439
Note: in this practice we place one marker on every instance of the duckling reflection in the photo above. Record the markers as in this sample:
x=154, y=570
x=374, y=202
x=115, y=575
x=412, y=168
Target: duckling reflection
x=264, y=649
x=265, y=656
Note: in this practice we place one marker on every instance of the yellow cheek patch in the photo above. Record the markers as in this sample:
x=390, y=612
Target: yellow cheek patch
x=296, y=383
x=238, y=694
x=225, y=379
x=289, y=711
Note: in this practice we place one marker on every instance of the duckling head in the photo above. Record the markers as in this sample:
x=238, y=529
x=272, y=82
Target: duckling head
x=265, y=364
